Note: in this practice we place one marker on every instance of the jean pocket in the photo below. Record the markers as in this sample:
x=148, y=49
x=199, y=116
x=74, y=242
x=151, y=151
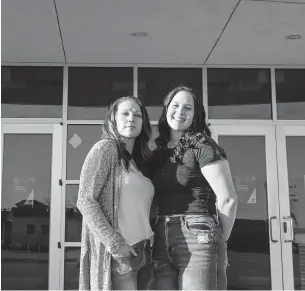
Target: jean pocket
x=122, y=265
x=202, y=231
x=147, y=256
x=119, y=258
x=140, y=260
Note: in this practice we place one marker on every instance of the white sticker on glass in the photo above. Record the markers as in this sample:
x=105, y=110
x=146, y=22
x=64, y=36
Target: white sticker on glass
x=75, y=140
x=252, y=198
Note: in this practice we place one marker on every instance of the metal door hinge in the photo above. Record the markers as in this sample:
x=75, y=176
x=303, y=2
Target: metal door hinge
x=60, y=182
x=59, y=245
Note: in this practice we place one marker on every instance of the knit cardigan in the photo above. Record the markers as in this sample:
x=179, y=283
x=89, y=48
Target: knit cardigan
x=98, y=199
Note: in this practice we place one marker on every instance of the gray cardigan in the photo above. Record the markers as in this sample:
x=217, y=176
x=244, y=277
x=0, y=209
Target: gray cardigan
x=98, y=198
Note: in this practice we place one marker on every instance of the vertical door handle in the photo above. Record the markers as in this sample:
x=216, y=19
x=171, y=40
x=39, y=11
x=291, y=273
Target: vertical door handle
x=288, y=228
x=271, y=232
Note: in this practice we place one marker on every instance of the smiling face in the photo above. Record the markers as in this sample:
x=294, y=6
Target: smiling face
x=180, y=112
x=129, y=119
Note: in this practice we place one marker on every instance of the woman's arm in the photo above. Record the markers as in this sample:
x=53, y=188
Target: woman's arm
x=219, y=176
x=95, y=172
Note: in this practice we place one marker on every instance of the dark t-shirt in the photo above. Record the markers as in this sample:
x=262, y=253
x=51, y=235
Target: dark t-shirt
x=182, y=189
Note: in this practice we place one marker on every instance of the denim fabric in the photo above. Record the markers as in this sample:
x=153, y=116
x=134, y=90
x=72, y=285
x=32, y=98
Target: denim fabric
x=189, y=253
x=133, y=273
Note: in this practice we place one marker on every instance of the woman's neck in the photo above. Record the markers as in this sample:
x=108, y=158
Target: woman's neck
x=129, y=142
x=174, y=138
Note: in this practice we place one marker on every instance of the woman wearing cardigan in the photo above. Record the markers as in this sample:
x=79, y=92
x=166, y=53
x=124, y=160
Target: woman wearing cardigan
x=114, y=199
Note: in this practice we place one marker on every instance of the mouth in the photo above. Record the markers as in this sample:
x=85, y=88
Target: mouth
x=130, y=126
x=178, y=119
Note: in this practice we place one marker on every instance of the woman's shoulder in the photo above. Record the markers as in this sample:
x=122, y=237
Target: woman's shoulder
x=201, y=140
x=105, y=142
x=105, y=146
x=207, y=149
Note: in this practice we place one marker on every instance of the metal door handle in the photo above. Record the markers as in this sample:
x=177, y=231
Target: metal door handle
x=271, y=233
x=289, y=228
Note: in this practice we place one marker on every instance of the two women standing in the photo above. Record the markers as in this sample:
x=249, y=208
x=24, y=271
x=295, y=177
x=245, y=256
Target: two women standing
x=194, y=197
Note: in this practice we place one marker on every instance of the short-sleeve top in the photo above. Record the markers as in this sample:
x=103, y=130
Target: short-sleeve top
x=181, y=188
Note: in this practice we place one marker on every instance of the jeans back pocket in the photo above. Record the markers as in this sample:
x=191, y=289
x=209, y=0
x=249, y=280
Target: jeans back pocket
x=202, y=231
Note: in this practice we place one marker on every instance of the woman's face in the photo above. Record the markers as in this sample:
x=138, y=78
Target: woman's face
x=180, y=112
x=129, y=119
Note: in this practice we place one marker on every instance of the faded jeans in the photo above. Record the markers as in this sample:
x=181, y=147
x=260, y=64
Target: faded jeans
x=133, y=273
x=189, y=253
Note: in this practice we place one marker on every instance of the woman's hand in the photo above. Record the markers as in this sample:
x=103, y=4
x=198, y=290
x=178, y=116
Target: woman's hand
x=125, y=251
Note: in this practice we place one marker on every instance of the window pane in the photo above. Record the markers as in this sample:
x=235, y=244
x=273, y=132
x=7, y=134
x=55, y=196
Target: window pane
x=73, y=227
x=249, y=260
x=290, y=94
x=155, y=83
x=72, y=256
x=295, y=146
x=35, y=92
x=81, y=138
x=91, y=90
x=239, y=94
x=25, y=208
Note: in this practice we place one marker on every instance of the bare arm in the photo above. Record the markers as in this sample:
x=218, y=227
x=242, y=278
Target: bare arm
x=219, y=176
x=94, y=173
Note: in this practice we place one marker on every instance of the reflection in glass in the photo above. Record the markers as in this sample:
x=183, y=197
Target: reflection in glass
x=296, y=175
x=91, y=90
x=290, y=94
x=71, y=280
x=25, y=211
x=31, y=92
x=239, y=94
x=248, y=248
x=155, y=83
x=81, y=138
x=73, y=227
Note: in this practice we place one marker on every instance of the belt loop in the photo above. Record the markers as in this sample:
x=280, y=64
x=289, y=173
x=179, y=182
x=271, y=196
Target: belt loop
x=151, y=241
x=182, y=220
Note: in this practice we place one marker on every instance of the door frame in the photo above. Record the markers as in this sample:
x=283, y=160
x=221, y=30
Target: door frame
x=281, y=133
x=55, y=196
x=272, y=189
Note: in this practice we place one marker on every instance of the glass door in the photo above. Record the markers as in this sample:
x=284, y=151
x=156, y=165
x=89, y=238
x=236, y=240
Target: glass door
x=291, y=172
x=254, y=249
x=31, y=192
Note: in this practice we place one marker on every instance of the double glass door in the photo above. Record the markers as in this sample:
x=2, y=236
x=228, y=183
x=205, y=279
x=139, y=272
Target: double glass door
x=30, y=220
x=267, y=246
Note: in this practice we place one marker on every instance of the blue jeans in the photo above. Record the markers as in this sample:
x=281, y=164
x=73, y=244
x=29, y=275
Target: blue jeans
x=133, y=273
x=189, y=253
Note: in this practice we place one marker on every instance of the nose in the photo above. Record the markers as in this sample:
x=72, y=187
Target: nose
x=180, y=110
x=131, y=118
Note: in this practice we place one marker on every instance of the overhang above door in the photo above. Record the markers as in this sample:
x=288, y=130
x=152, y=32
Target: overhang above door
x=213, y=32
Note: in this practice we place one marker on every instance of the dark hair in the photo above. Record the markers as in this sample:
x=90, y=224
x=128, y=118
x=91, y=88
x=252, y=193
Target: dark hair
x=190, y=137
x=141, y=150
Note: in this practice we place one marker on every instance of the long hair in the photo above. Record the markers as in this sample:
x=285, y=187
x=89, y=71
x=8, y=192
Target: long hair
x=141, y=151
x=189, y=138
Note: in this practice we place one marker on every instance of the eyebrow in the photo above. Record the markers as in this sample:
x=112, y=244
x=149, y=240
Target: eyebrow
x=129, y=109
x=189, y=104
